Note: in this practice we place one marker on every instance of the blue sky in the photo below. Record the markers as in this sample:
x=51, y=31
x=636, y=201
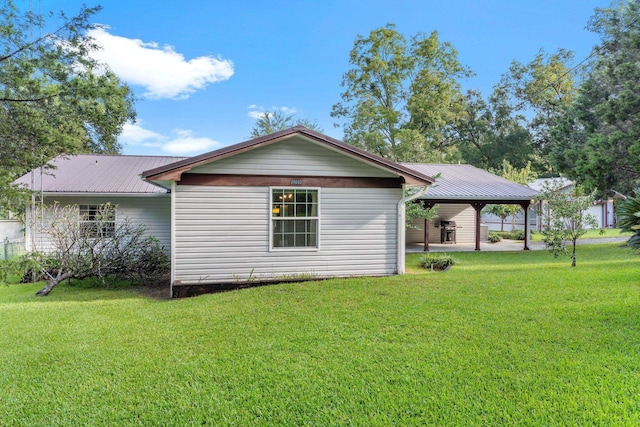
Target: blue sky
x=203, y=70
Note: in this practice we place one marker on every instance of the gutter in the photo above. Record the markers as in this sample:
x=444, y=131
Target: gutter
x=402, y=238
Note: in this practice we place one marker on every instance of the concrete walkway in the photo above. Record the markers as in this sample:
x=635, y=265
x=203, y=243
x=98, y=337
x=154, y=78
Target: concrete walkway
x=502, y=246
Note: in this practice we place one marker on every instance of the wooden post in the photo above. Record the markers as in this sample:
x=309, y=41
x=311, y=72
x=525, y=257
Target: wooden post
x=426, y=235
x=478, y=207
x=525, y=206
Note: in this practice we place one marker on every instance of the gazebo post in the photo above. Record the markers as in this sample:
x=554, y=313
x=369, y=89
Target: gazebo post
x=525, y=206
x=478, y=206
x=426, y=235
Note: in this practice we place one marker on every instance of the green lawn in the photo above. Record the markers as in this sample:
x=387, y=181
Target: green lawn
x=590, y=234
x=515, y=338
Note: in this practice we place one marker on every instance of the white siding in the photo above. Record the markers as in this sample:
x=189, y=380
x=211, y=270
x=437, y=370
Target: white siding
x=153, y=212
x=463, y=215
x=295, y=156
x=222, y=235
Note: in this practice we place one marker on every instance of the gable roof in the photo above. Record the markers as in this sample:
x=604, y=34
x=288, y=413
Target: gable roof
x=466, y=182
x=173, y=171
x=96, y=173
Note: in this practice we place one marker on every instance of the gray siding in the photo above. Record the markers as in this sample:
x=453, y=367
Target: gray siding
x=222, y=235
x=463, y=215
x=152, y=211
x=294, y=156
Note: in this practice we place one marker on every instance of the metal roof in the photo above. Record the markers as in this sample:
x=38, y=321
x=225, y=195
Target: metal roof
x=466, y=182
x=175, y=170
x=540, y=183
x=97, y=173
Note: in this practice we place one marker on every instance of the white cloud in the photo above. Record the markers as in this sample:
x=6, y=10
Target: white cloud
x=162, y=71
x=135, y=134
x=185, y=143
x=182, y=142
x=257, y=111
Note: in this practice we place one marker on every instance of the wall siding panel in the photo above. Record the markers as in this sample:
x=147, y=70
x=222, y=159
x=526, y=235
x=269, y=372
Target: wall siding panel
x=222, y=235
x=153, y=212
x=463, y=215
x=295, y=156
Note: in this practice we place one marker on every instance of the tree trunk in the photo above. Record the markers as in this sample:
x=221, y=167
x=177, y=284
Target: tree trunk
x=52, y=283
x=573, y=255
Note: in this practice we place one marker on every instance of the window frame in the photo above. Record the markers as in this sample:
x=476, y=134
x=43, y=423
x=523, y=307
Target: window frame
x=273, y=218
x=89, y=219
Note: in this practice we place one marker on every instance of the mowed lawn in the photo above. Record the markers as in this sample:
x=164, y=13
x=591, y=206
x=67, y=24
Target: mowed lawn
x=501, y=339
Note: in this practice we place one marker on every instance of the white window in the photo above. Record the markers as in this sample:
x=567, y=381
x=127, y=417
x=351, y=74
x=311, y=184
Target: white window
x=97, y=220
x=294, y=218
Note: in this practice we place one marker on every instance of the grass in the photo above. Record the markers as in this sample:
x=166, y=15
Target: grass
x=599, y=233
x=516, y=338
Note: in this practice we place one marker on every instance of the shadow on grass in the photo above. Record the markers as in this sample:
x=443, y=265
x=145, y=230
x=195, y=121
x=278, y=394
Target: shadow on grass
x=81, y=291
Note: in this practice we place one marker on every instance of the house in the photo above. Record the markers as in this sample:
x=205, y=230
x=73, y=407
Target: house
x=94, y=180
x=602, y=209
x=290, y=205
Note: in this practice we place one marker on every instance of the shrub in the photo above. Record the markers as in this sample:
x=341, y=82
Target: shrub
x=437, y=261
x=494, y=237
x=510, y=235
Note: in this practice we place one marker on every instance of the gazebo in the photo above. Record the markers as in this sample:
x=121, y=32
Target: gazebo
x=462, y=184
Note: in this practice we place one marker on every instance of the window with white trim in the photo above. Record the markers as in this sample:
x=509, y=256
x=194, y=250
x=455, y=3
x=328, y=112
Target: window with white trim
x=97, y=220
x=294, y=218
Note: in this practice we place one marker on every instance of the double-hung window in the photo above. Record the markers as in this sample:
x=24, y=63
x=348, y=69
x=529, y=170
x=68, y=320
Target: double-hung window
x=97, y=220
x=294, y=218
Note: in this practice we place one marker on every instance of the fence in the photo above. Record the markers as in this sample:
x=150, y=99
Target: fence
x=11, y=248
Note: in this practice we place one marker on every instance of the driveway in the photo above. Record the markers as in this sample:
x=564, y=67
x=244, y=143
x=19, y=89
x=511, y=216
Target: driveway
x=502, y=246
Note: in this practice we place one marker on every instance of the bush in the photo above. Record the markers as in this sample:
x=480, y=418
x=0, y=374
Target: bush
x=494, y=237
x=510, y=235
x=437, y=261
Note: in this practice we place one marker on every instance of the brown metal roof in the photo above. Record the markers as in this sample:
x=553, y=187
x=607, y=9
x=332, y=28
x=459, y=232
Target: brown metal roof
x=95, y=173
x=466, y=182
x=173, y=171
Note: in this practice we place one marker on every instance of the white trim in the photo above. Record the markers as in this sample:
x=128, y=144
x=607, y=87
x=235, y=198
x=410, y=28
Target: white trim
x=173, y=237
x=402, y=238
x=318, y=218
x=28, y=229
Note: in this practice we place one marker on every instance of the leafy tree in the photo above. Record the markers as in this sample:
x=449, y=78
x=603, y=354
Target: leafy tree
x=491, y=131
x=598, y=141
x=544, y=86
x=54, y=98
x=628, y=218
x=276, y=120
x=567, y=217
x=401, y=97
x=105, y=249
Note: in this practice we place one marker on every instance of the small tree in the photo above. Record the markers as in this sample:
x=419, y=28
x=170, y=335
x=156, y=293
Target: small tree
x=567, y=216
x=522, y=176
x=98, y=247
x=499, y=211
x=629, y=218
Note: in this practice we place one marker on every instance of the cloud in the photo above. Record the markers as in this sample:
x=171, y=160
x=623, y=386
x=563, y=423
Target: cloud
x=162, y=71
x=180, y=143
x=186, y=143
x=257, y=111
x=135, y=134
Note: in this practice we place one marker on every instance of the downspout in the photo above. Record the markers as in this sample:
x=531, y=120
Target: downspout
x=402, y=240
x=173, y=237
